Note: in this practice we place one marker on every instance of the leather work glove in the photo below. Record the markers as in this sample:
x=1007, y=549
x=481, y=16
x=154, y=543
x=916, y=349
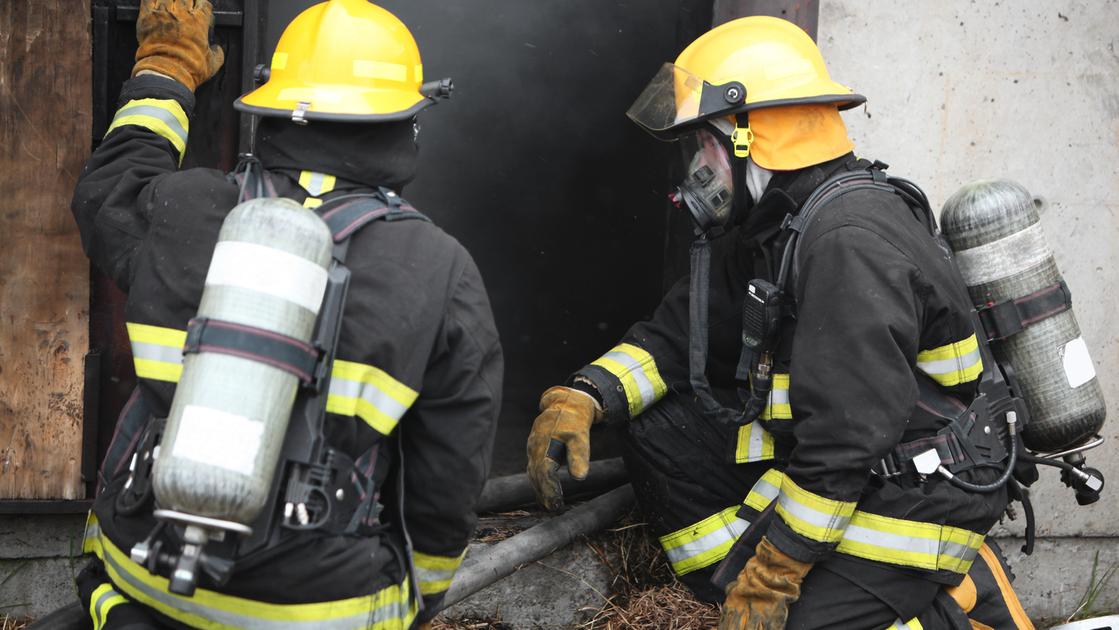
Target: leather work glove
x=424, y=626
x=174, y=37
x=562, y=428
x=759, y=599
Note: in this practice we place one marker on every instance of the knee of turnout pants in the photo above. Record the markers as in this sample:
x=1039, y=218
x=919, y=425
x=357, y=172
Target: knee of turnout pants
x=108, y=609
x=687, y=489
x=987, y=596
x=829, y=601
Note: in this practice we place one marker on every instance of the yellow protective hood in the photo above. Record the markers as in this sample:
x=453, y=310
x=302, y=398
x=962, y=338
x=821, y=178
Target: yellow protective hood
x=797, y=136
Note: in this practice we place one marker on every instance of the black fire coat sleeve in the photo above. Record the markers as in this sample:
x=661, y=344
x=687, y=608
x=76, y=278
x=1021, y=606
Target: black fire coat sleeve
x=652, y=357
x=113, y=199
x=448, y=436
x=852, y=384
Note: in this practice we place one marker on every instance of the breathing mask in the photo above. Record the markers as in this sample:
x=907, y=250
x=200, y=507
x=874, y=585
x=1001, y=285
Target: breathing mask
x=708, y=187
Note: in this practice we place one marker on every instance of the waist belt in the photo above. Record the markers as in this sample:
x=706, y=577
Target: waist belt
x=900, y=461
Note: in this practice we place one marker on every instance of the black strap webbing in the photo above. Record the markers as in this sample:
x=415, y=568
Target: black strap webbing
x=1011, y=317
x=256, y=344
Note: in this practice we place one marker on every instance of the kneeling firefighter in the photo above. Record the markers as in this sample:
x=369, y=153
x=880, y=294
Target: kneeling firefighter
x=812, y=425
x=319, y=370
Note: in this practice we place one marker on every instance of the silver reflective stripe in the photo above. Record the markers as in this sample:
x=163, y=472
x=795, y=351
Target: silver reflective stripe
x=156, y=352
x=779, y=397
x=390, y=611
x=757, y=442
x=727, y=533
x=950, y=366
x=766, y=490
x=897, y=542
x=99, y=616
x=901, y=625
x=370, y=393
x=956, y=550
x=648, y=393
x=163, y=115
x=431, y=576
x=1005, y=257
x=823, y=520
x=314, y=184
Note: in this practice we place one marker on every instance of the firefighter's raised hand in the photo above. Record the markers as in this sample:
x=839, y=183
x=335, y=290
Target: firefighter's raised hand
x=560, y=433
x=174, y=38
x=759, y=599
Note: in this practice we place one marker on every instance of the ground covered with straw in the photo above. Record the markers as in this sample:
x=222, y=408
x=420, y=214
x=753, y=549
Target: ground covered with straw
x=643, y=594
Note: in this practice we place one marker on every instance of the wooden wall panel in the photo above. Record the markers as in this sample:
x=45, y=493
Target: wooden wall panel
x=45, y=101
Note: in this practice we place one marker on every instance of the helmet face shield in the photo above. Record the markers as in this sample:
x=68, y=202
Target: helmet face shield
x=708, y=186
x=676, y=98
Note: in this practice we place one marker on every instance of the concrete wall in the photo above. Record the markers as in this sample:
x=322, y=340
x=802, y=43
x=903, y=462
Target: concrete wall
x=960, y=90
x=39, y=557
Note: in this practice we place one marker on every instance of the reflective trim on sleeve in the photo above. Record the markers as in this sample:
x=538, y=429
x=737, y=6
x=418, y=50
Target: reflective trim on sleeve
x=369, y=393
x=755, y=444
x=811, y=515
x=912, y=624
x=316, y=185
x=704, y=543
x=157, y=352
x=952, y=364
x=391, y=608
x=910, y=543
x=778, y=407
x=434, y=573
x=637, y=371
x=765, y=490
x=103, y=599
x=164, y=117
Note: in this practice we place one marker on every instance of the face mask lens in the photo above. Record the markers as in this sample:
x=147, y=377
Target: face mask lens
x=707, y=189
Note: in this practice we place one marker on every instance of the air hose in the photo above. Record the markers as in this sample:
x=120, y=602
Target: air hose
x=1012, y=432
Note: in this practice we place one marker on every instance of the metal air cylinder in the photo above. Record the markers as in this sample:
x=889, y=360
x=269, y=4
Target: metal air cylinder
x=229, y=416
x=993, y=227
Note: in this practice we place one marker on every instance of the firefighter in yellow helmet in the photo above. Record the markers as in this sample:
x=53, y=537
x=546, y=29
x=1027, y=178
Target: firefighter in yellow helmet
x=770, y=401
x=416, y=380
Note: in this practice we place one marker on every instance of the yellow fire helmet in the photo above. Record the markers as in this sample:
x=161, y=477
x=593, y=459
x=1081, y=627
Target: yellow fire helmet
x=757, y=63
x=346, y=61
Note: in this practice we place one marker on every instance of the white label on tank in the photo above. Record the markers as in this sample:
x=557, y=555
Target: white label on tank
x=1078, y=364
x=1005, y=257
x=259, y=268
x=218, y=438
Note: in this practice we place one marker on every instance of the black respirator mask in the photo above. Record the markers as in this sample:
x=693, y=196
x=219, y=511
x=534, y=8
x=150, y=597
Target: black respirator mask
x=708, y=187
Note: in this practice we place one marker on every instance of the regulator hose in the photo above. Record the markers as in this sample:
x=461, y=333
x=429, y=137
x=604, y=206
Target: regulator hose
x=1012, y=433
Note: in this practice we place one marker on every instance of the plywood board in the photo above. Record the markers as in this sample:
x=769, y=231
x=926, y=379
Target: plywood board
x=45, y=102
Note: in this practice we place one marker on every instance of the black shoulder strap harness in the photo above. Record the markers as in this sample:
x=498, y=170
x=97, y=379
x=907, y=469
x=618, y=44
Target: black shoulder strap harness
x=315, y=487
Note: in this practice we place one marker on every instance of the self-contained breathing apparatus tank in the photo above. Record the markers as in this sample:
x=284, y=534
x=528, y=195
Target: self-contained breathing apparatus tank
x=1025, y=309
x=229, y=416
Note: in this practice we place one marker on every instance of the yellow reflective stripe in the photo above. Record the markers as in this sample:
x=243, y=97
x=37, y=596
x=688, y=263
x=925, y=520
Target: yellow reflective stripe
x=97, y=611
x=312, y=202
x=435, y=573
x=637, y=371
x=912, y=624
x=954, y=363
x=704, y=543
x=778, y=407
x=765, y=490
x=755, y=444
x=389, y=608
x=369, y=393
x=157, y=352
x=317, y=184
x=910, y=543
x=107, y=606
x=811, y=515
x=164, y=117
